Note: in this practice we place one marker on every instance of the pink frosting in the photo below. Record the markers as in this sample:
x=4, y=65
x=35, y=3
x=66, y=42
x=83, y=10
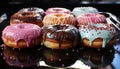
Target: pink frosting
x=58, y=10
x=94, y=18
x=27, y=32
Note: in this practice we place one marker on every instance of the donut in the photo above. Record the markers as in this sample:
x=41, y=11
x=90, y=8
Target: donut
x=59, y=18
x=32, y=15
x=98, y=35
x=85, y=19
x=57, y=10
x=84, y=10
x=62, y=36
x=22, y=35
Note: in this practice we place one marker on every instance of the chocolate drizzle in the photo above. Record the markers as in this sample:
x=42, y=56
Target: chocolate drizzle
x=28, y=15
x=33, y=9
x=60, y=33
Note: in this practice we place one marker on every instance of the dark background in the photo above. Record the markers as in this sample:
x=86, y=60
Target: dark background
x=11, y=6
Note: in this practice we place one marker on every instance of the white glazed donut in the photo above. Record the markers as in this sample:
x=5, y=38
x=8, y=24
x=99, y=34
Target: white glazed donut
x=84, y=10
x=97, y=35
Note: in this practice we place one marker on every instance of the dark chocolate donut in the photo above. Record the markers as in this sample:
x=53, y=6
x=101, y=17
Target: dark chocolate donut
x=33, y=9
x=28, y=15
x=62, y=36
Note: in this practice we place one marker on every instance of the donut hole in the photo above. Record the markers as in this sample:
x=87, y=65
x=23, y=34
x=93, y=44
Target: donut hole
x=32, y=9
x=90, y=15
x=58, y=15
x=57, y=9
x=25, y=14
x=22, y=26
x=61, y=27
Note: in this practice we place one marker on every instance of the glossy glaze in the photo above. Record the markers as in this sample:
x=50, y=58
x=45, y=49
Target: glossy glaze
x=94, y=31
x=27, y=32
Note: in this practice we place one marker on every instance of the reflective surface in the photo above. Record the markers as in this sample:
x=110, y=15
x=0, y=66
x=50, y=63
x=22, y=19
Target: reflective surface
x=41, y=57
x=60, y=58
x=21, y=58
x=97, y=58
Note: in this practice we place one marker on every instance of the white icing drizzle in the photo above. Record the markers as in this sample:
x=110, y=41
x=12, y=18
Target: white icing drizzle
x=62, y=19
x=107, y=33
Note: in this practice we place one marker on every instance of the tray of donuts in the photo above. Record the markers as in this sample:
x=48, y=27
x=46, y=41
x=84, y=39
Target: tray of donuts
x=59, y=28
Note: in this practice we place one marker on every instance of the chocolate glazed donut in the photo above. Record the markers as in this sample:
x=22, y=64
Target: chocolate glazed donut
x=28, y=15
x=60, y=36
x=33, y=9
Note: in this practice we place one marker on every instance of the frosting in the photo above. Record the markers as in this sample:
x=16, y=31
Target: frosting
x=27, y=32
x=28, y=15
x=59, y=18
x=92, y=32
x=58, y=10
x=94, y=18
x=60, y=32
x=84, y=10
x=33, y=9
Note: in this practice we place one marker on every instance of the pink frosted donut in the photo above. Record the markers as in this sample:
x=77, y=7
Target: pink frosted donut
x=85, y=19
x=57, y=10
x=22, y=35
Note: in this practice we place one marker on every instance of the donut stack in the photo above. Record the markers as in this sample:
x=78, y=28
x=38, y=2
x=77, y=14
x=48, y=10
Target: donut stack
x=59, y=31
x=59, y=28
x=57, y=16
